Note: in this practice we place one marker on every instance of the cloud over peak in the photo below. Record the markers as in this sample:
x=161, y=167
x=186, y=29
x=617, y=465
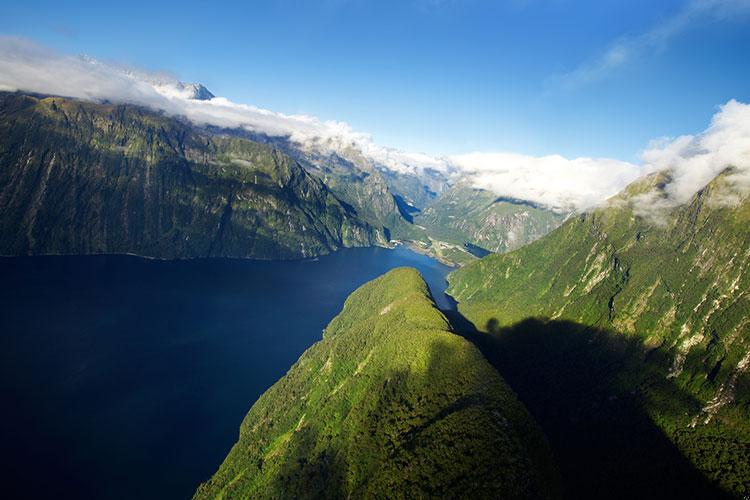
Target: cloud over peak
x=27, y=66
x=694, y=160
x=562, y=183
x=555, y=181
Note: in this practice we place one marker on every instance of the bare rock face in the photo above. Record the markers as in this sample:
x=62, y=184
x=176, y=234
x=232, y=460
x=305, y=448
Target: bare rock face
x=197, y=91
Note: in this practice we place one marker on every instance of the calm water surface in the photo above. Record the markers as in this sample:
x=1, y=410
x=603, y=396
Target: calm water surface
x=124, y=377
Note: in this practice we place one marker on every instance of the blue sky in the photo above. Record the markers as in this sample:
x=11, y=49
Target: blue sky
x=584, y=78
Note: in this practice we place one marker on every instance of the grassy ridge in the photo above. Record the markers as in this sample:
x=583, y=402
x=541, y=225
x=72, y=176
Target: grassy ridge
x=389, y=404
x=673, y=283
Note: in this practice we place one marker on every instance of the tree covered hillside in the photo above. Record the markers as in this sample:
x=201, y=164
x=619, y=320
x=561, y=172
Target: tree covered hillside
x=666, y=288
x=466, y=215
x=80, y=178
x=390, y=404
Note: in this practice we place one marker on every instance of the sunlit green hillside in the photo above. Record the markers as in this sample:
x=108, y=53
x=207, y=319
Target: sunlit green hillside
x=389, y=404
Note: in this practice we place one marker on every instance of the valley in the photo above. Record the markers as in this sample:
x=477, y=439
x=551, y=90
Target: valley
x=409, y=250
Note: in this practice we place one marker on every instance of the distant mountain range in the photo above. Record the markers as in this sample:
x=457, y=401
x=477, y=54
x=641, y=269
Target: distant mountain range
x=623, y=330
x=86, y=177
x=467, y=215
x=81, y=178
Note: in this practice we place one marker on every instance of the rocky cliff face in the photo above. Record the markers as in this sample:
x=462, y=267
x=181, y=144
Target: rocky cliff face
x=79, y=177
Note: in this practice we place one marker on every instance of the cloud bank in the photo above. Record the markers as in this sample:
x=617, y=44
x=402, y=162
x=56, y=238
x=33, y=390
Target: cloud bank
x=25, y=65
x=549, y=180
x=555, y=181
x=694, y=160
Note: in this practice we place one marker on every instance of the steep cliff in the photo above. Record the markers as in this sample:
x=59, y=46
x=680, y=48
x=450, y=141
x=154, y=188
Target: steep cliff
x=79, y=177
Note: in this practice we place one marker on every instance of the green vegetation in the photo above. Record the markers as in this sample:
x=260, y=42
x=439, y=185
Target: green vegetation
x=669, y=287
x=358, y=183
x=81, y=178
x=449, y=254
x=595, y=394
x=625, y=331
x=390, y=404
x=464, y=215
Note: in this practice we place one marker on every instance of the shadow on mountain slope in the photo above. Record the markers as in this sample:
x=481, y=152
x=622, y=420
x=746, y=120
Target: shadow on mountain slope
x=406, y=210
x=592, y=391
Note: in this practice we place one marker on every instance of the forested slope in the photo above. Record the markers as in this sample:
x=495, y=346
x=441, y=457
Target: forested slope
x=390, y=404
x=660, y=293
x=80, y=178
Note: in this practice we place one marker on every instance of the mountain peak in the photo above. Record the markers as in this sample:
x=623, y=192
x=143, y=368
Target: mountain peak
x=172, y=88
x=197, y=91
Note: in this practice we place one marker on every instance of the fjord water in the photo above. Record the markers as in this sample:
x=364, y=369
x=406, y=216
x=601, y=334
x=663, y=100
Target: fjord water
x=124, y=377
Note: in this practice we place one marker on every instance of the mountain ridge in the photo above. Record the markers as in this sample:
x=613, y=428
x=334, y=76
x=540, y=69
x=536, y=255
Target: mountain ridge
x=79, y=177
x=389, y=402
x=673, y=279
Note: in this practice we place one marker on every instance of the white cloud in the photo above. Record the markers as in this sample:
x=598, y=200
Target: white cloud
x=627, y=49
x=691, y=160
x=27, y=66
x=549, y=180
x=405, y=162
x=694, y=160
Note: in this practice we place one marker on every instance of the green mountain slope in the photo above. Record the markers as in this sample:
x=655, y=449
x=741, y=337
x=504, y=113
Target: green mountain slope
x=390, y=404
x=350, y=176
x=78, y=177
x=669, y=288
x=416, y=190
x=475, y=216
x=356, y=181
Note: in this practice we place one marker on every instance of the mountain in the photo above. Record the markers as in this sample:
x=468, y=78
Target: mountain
x=197, y=91
x=630, y=306
x=172, y=88
x=79, y=177
x=389, y=402
x=358, y=182
x=352, y=177
x=466, y=215
x=415, y=189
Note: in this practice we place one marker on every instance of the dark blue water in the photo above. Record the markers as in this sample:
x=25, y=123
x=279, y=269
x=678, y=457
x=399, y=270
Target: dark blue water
x=122, y=377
